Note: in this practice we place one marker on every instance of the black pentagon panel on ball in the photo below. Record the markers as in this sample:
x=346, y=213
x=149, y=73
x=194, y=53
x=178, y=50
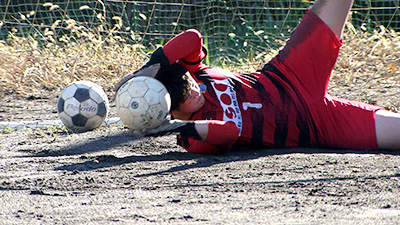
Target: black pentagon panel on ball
x=82, y=94
x=79, y=120
x=101, y=109
x=60, y=105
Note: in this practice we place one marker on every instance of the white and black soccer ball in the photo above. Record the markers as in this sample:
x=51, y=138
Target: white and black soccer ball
x=143, y=102
x=82, y=106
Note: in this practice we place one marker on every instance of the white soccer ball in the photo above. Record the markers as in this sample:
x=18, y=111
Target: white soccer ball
x=82, y=106
x=143, y=102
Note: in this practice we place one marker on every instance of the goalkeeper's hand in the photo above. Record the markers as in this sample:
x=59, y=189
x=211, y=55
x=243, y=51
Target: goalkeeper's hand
x=157, y=62
x=178, y=127
x=149, y=71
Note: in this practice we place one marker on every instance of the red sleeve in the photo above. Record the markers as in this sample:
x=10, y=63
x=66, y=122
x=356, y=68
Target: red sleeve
x=222, y=133
x=187, y=48
x=195, y=146
x=221, y=137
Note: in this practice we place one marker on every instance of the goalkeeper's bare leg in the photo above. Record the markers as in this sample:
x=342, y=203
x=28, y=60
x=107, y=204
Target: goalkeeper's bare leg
x=387, y=126
x=334, y=13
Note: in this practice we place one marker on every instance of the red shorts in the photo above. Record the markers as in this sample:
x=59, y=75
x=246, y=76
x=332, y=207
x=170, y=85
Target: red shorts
x=307, y=61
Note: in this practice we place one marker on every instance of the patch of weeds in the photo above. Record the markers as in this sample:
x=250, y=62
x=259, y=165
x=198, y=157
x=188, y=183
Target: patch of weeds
x=50, y=133
x=6, y=130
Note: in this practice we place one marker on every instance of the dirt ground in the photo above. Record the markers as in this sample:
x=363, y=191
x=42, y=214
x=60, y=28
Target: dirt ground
x=52, y=176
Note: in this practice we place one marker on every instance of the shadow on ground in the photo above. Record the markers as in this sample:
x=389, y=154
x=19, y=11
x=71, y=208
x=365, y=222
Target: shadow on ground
x=126, y=141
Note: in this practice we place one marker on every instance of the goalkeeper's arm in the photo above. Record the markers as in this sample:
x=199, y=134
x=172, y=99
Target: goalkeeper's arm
x=216, y=135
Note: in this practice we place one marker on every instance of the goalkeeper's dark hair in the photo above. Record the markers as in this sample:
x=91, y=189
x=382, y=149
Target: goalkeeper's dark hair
x=175, y=79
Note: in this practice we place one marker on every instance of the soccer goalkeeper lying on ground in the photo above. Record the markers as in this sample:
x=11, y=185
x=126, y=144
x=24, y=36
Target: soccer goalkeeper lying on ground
x=285, y=104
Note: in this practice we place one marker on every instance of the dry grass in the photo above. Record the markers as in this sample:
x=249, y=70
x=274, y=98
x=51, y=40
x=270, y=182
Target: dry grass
x=25, y=67
x=368, y=68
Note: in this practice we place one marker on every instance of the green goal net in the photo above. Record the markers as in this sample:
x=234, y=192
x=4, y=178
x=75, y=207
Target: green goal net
x=233, y=30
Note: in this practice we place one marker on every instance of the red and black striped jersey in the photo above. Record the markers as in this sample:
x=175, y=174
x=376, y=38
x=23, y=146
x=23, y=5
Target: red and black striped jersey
x=262, y=105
